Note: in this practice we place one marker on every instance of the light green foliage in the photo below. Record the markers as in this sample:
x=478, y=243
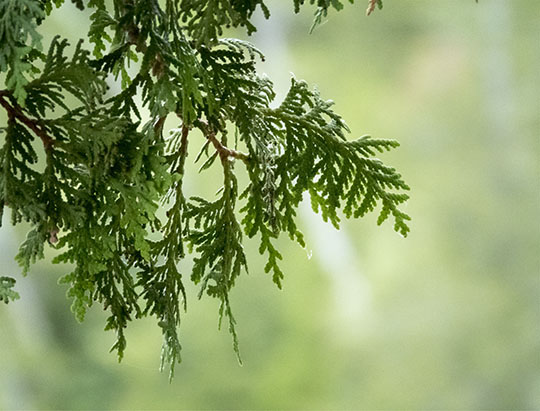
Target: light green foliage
x=6, y=289
x=107, y=170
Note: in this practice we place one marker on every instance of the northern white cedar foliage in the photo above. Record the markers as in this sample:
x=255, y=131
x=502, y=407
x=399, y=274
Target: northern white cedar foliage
x=106, y=170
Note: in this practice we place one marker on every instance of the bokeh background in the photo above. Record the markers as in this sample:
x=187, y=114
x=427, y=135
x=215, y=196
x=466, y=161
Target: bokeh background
x=448, y=318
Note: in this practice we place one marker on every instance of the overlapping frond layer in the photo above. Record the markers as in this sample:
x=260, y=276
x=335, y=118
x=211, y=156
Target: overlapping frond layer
x=106, y=169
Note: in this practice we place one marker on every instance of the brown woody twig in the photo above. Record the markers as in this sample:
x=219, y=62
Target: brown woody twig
x=224, y=152
x=15, y=111
x=371, y=7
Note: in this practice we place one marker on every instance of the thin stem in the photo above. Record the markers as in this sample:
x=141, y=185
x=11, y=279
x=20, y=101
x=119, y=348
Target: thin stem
x=183, y=148
x=371, y=7
x=15, y=111
x=223, y=151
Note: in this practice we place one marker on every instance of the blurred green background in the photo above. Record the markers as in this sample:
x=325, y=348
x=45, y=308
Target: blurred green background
x=448, y=318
